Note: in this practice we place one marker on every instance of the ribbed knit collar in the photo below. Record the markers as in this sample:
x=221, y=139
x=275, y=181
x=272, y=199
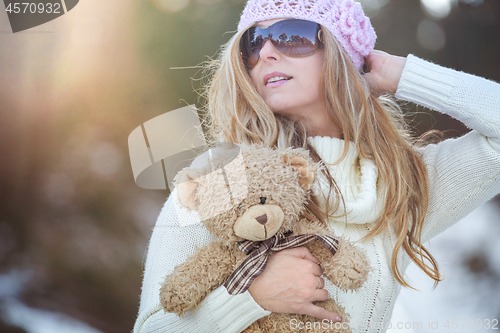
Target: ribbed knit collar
x=356, y=178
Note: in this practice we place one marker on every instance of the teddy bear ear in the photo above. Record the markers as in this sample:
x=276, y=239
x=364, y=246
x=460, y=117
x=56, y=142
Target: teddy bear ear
x=306, y=173
x=187, y=183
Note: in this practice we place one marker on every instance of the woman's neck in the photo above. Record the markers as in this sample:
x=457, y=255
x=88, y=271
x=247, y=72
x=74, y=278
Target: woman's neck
x=321, y=125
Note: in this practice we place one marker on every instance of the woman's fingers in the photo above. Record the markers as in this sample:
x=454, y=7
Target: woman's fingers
x=308, y=308
x=309, y=265
x=311, y=268
x=290, y=283
x=299, y=252
x=383, y=71
x=320, y=295
x=321, y=313
x=321, y=282
x=314, y=283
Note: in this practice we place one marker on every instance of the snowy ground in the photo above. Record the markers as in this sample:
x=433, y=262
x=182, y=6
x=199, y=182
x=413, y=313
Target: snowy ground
x=33, y=320
x=466, y=301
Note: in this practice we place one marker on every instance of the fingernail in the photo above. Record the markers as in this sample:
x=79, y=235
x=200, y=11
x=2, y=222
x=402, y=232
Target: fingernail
x=338, y=318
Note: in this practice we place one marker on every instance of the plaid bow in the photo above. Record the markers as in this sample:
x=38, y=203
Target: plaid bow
x=254, y=264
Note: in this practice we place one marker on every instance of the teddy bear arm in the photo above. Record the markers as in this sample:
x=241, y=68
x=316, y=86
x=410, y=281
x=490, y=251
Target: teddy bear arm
x=190, y=282
x=348, y=269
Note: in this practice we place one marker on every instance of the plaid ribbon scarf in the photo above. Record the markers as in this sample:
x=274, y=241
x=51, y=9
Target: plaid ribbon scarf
x=254, y=264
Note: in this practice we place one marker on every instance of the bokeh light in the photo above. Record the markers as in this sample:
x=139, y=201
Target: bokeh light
x=430, y=35
x=438, y=8
x=372, y=7
x=171, y=6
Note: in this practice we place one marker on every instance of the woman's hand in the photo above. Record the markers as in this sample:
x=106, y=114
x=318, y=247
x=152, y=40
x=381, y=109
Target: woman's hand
x=383, y=71
x=290, y=283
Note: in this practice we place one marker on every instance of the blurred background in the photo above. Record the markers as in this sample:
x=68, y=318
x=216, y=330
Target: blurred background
x=74, y=227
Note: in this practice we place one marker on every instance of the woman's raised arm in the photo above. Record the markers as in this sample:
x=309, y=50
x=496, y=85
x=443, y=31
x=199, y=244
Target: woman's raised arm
x=464, y=172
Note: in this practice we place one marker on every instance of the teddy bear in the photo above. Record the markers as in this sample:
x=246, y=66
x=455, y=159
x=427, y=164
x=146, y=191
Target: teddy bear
x=254, y=199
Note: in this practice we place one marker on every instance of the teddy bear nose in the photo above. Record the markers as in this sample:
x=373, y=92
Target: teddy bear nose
x=262, y=200
x=262, y=219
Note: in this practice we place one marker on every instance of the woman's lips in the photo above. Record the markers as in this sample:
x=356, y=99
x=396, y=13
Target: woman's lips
x=277, y=83
x=282, y=79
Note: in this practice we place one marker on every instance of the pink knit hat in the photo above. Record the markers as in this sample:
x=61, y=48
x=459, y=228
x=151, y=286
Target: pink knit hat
x=343, y=18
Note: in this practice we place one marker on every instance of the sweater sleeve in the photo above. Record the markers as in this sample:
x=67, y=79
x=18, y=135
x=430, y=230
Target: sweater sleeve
x=175, y=236
x=463, y=172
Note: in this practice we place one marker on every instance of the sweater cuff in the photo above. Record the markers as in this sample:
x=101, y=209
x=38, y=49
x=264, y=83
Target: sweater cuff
x=234, y=313
x=426, y=84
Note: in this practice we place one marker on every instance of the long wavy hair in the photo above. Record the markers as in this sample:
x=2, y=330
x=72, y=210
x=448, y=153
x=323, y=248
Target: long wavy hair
x=234, y=112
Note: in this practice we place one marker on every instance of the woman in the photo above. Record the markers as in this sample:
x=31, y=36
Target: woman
x=292, y=76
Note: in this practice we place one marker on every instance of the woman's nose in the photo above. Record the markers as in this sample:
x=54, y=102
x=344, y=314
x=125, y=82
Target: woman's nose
x=269, y=52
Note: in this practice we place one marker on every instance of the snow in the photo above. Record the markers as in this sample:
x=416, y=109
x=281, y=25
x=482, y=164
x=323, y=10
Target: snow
x=32, y=320
x=471, y=299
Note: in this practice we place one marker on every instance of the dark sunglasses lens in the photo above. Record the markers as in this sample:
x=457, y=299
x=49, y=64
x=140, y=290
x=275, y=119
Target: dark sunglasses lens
x=294, y=38
x=298, y=38
x=250, y=47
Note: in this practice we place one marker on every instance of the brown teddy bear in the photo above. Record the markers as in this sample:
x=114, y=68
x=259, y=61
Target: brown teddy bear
x=255, y=202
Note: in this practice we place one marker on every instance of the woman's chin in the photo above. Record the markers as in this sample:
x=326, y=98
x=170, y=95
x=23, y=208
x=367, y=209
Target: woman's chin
x=280, y=106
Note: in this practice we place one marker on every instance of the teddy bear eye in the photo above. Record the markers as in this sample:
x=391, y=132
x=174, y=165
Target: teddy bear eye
x=240, y=207
x=262, y=200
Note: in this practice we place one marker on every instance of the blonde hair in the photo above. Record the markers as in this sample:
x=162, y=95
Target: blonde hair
x=235, y=112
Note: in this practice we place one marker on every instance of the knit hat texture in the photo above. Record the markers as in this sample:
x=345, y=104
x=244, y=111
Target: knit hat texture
x=345, y=19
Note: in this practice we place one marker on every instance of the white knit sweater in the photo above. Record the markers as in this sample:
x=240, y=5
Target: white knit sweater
x=463, y=174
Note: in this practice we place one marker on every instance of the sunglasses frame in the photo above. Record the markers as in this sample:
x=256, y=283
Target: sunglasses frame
x=245, y=43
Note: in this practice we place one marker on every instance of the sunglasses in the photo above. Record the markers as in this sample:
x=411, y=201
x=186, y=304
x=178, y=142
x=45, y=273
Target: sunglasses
x=293, y=38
